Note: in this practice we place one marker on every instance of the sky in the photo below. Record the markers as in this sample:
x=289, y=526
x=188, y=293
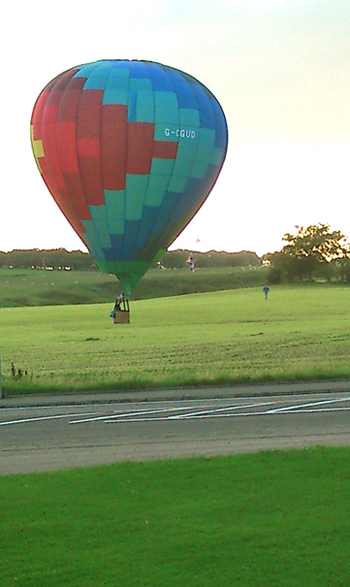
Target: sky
x=279, y=68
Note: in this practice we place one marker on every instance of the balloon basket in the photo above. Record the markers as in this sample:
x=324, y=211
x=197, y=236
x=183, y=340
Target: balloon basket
x=121, y=317
x=121, y=312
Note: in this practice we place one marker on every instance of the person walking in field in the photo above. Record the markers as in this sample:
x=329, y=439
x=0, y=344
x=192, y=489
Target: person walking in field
x=266, y=291
x=191, y=263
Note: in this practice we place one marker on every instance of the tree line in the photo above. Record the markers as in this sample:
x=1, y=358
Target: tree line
x=61, y=259
x=47, y=259
x=313, y=252
x=178, y=259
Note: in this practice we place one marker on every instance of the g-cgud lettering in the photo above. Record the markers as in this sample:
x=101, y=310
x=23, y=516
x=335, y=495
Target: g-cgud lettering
x=180, y=133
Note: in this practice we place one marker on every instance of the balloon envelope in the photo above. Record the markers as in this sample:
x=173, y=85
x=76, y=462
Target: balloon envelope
x=129, y=151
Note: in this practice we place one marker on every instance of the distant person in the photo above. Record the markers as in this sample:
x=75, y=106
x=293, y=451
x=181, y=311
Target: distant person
x=191, y=263
x=266, y=291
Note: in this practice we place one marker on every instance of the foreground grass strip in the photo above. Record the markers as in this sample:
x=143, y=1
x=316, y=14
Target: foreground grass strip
x=212, y=338
x=271, y=519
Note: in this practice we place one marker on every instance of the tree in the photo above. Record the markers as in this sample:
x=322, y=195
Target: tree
x=313, y=249
x=41, y=259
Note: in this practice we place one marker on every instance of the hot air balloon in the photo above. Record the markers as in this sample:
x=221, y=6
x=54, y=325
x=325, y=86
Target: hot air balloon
x=129, y=150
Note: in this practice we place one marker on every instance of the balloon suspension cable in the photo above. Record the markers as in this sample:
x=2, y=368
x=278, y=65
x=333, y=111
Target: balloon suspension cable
x=122, y=303
x=121, y=310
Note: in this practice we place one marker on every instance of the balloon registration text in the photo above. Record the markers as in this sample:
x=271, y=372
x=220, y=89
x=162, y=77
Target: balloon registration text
x=180, y=133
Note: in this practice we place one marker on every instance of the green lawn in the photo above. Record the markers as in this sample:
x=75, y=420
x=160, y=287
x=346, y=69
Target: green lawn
x=26, y=287
x=271, y=519
x=210, y=338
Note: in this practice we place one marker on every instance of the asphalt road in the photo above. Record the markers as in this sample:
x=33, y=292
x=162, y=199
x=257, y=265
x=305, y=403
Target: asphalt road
x=57, y=432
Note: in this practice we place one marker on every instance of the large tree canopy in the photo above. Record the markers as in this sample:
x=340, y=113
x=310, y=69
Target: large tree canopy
x=316, y=241
x=313, y=248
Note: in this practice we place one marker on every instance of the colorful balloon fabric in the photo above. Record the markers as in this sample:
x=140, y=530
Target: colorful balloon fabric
x=129, y=151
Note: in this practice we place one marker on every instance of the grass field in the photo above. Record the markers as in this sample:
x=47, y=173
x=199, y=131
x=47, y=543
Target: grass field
x=212, y=338
x=20, y=287
x=271, y=519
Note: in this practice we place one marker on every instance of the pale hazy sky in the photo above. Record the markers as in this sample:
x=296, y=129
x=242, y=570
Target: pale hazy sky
x=279, y=68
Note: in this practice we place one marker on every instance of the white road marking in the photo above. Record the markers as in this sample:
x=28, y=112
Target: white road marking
x=186, y=412
x=39, y=418
x=198, y=417
x=319, y=410
x=216, y=410
x=222, y=412
x=311, y=404
x=132, y=413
